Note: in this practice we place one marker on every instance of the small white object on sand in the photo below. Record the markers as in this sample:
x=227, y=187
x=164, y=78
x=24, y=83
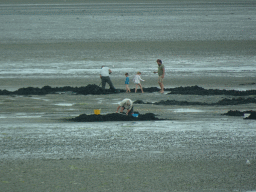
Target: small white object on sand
x=248, y=162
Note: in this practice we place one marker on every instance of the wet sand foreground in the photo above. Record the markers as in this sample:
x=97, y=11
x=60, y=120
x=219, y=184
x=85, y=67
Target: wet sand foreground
x=198, y=149
x=97, y=175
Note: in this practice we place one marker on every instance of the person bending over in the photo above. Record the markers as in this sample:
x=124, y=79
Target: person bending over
x=104, y=75
x=125, y=104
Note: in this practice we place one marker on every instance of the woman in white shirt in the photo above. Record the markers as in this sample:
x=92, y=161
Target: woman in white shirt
x=137, y=80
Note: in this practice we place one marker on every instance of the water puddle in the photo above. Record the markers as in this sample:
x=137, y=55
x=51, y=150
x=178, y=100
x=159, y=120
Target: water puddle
x=3, y=116
x=38, y=98
x=65, y=104
x=182, y=110
x=21, y=115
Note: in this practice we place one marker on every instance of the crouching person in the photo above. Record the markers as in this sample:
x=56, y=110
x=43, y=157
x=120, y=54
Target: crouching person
x=125, y=104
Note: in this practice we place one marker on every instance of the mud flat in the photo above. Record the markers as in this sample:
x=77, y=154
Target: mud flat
x=199, y=149
x=150, y=102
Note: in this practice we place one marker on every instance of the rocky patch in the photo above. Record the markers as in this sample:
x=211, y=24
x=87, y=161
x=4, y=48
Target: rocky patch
x=241, y=113
x=233, y=101
x=114, y=117
x=96, y=90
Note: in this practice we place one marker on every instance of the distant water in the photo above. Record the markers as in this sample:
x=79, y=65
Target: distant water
x=105, y=31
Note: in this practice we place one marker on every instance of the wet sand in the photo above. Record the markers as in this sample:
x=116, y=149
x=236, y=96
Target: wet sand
x=198, y=149
x=171, y=81
x=219, y=167
x=98, y=175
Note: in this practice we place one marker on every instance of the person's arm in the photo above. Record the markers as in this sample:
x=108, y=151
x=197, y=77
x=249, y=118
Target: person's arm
x=163, y=72
x=128, y=111
x=141, y=79
x=118, y=108
x=109, y=71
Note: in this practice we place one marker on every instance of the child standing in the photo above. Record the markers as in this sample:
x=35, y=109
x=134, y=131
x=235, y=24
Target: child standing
x=137, y=80
x=127, y=83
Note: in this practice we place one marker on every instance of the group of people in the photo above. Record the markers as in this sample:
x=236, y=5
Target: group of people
x=127, y=103
x=105, y=72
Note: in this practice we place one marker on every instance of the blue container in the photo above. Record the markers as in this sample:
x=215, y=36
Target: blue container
x=135, y=115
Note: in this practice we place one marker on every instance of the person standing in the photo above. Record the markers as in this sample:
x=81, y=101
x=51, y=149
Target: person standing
x=127, y=79
x=161, y=73
x=104, y=75
x=137, y=80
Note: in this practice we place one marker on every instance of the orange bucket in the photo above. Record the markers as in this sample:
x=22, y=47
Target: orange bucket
x=96, y=111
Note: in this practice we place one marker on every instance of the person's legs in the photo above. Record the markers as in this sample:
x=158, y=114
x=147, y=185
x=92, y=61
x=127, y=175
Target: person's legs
x=161, y=84
x=141, y=88
x=127, y=88
x=162, y=87
x=136, y=87
x=103, y=82
x=110, y=83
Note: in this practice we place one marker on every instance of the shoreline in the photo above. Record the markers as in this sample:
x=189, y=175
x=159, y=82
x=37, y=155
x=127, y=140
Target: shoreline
x=212, y=82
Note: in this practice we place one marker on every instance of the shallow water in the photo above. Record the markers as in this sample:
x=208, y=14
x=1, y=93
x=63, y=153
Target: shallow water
x=128, y=21
x=43, y=40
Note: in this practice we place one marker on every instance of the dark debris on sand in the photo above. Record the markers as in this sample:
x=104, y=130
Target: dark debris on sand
x=241, y=113
x=89, y=89
x=114, y=117
x=196, y=90
x=233, y=101
x=252, y=115
x=96, y=90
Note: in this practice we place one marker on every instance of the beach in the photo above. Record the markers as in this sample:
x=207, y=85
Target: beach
x=192, y=147
x=196, y=149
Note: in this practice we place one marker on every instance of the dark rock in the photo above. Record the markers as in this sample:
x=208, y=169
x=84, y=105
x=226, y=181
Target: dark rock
x=173, y=102
x=248, y=84
x=114, y=117
x=241, y=113
x=236, y=101
x=90, y=89
x=5, y=92
x=234, y=113
x=252, y=116
x=138, y=102
x=96, y=90
x=30, y=91
x=196, y=90
x=233, y=101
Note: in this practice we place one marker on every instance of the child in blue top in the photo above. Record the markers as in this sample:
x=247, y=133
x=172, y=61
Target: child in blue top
x=127, y=83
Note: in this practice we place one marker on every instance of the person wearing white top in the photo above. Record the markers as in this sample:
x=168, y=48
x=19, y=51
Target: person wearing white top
x=125, y=104
x=104, y=75
x=137, y=80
